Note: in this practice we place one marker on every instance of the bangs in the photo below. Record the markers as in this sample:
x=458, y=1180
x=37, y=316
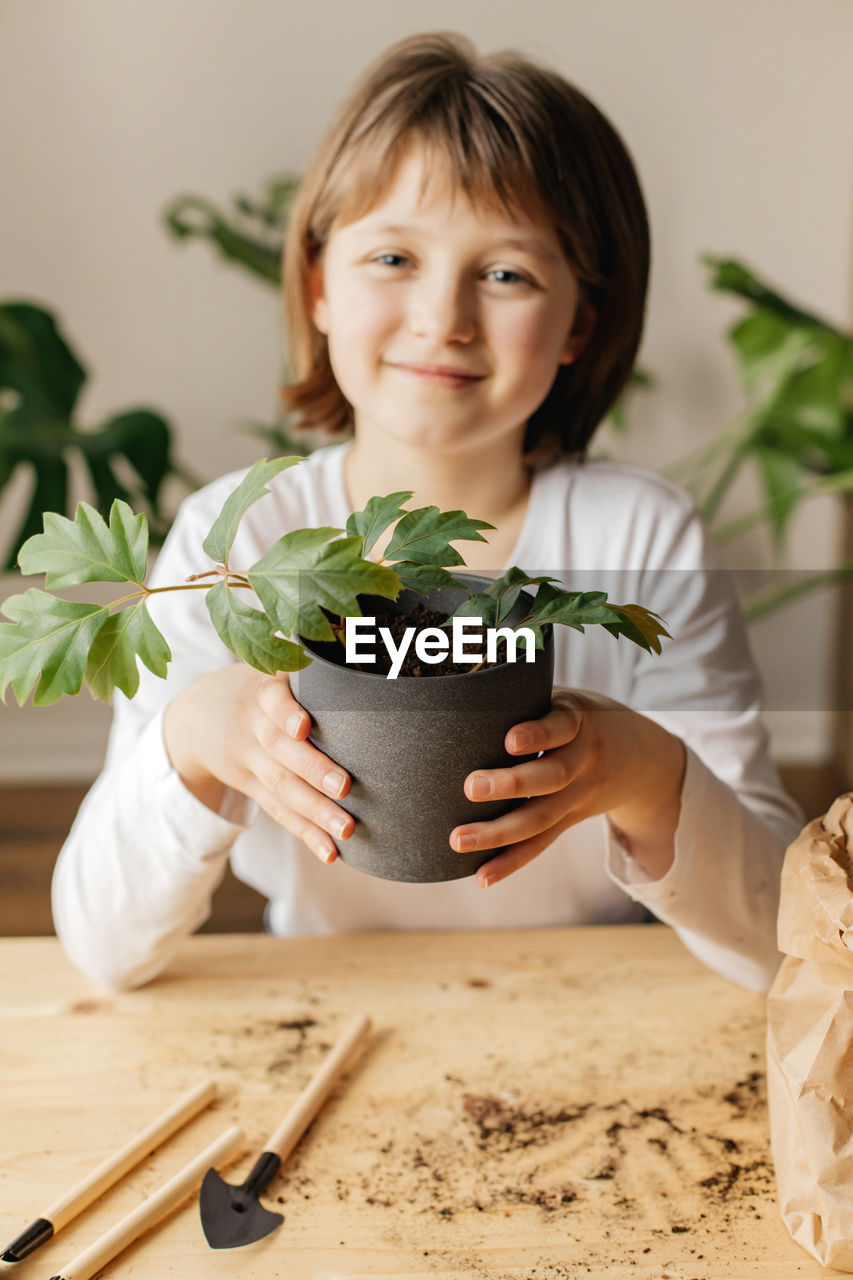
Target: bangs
x=492, y=182
x=470, y=149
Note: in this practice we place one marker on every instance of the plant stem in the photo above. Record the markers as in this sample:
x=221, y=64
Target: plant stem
x=762, y=604
x=181, y=586
x=841, y=482
x=721, y=484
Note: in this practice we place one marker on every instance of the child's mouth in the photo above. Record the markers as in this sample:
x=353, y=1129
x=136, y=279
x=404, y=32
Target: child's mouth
x=439, y=375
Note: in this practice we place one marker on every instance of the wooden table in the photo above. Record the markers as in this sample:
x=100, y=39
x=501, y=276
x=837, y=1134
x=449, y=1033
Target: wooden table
x=531, y=1106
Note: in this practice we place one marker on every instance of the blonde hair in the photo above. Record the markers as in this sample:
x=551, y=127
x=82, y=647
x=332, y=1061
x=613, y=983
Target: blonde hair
x=513, y=134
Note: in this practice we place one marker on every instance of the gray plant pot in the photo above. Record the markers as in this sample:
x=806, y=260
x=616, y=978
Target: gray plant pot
x=409, y=743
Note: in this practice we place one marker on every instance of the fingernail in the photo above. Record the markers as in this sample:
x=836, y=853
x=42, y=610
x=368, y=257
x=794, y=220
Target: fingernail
x=333, y=783
x=340, y=826
x=480, y=787
x=323, y=848
x=520, y=742
x=486, y=882
x=294, y=724
x=465, y=844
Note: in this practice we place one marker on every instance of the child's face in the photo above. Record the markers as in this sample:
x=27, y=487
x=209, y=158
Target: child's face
x=446, y=323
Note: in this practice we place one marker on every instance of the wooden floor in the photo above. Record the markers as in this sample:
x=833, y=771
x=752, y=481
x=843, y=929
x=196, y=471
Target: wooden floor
x=35, y=820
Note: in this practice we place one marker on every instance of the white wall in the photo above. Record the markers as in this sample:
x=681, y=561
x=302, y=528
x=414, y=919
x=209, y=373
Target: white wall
x=737, y=111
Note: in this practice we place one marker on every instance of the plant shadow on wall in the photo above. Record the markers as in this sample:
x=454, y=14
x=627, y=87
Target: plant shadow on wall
x=127, y=456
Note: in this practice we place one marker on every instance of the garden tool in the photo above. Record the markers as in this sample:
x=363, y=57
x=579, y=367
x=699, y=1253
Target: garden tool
x=234, y=1216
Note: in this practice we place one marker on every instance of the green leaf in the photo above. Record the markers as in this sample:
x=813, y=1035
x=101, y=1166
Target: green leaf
x=638, y=624
x=581, y=609
x=40, y=379
x=571, y=608
x=731, y=276
x=305, y=573
x=499, y=599
x=49, y=493
x=506, y=590
x=139, y=435
x=769, y=348
x=424, y=536
x=47, y=644
x=784, y=486
x=112, y=657
x=376, y=517
x=238, y=246
x=810, y=397
x=36, y=361
x=253, y=486
x=85, y=549
x=250, y=635
x=424, y=577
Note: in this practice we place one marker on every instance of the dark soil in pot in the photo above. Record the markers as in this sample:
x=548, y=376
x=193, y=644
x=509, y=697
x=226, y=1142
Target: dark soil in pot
x=409, y=743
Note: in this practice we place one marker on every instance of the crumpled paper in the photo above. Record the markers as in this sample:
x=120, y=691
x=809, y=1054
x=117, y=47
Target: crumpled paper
x=810, y=1040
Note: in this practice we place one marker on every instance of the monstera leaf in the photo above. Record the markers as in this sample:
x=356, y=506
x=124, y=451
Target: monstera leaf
x=128, y=456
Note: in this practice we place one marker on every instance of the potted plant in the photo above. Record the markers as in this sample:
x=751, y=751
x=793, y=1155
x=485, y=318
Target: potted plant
x=407, y=741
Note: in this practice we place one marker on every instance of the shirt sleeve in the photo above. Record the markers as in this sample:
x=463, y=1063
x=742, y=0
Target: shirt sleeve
x=721, y=894
x=138, y=870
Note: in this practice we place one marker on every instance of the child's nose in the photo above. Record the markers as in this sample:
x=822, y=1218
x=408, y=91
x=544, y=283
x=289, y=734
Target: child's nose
x=443, y=310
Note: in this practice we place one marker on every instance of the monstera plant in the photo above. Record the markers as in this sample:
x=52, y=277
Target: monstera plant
x=128, y=456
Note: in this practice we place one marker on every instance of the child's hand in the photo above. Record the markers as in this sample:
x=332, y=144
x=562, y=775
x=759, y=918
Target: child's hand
x=238, y=728
x=599, y=757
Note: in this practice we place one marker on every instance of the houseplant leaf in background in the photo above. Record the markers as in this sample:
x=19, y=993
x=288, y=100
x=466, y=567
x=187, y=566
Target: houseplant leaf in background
x=797, y=426
x=40, y=382
x=251, y=235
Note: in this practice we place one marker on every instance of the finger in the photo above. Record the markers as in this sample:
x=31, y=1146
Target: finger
x=516, y=857
x=300, y=757
x=557, y=727
x=294, y=795
x=525, y=822
x=317, y=840
x=551, y=772
x=278, y=802
x=275, y=698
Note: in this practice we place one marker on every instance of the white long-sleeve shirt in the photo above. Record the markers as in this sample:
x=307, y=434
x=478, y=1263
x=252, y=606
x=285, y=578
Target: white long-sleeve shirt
x=144, y=856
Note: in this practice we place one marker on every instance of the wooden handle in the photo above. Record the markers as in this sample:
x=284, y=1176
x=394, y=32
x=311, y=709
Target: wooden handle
x=116, y=1166
x=315, y=1093
x=132, y=1226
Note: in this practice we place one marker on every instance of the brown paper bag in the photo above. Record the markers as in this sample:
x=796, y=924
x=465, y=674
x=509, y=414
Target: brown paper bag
x=810, y=1040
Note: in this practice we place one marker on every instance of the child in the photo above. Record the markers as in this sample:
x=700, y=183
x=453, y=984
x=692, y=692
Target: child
x=465, y=279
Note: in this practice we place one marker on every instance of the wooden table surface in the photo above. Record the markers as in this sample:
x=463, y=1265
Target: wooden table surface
x=540, y=1105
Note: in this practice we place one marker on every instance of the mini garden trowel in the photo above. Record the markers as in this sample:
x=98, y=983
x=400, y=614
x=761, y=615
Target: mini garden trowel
x=233, y=1216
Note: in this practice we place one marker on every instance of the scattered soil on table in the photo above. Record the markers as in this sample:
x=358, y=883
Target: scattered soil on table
x=635, y=1171
x=617, y=1178
x=271, y=1046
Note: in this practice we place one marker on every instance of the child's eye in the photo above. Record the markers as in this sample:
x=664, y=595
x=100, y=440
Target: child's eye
x=503, y=275
x=390, y=259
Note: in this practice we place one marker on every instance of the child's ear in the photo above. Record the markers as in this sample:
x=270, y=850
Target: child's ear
x=317, y=293
x=582, y=330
